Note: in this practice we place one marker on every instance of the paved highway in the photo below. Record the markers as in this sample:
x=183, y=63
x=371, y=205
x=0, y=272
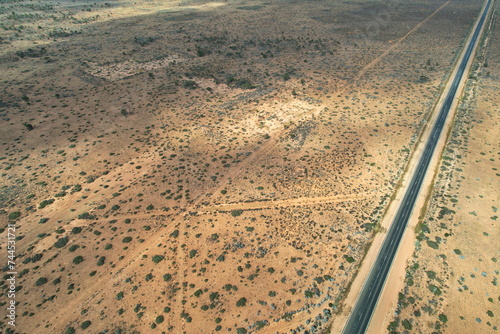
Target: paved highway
x=361, y=315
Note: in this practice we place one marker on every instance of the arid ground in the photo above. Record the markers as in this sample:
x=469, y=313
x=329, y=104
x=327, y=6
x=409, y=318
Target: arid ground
x=196, y=167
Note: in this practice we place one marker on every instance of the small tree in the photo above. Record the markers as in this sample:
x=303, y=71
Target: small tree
x=241, y=302
x=424, y=78
x=158, y=258
x=61, y=242
x=28, y=126
x=86, y=324
x=41, y=281
x=101, y=261
x=189, y=84
x=236, y=213
x=14, y=215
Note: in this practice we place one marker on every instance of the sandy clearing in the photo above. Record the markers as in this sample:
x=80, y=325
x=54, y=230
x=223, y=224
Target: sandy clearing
x=118, y=71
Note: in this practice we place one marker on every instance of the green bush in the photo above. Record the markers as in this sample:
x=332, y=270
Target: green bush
x=78, y=259
x=14, y=215
x=424, y=78
x=434, y=289
x=239, y=83
x=241, y=302
x=158, y=258
x=432, y=244
x=236, y=213
x=431, y=274
x=76, y=230
x=214, y=296
x=46, y=202
x=407, y=325
x=127, y=239
x=143, y=41
x=76, y=189
x=73, y=248
x=393, y=325
x=101, y=261
x=86, y=215
x=40, y=281
x=444, y=211
x=61, y=242
x=308, y=293
x=201, y=51
x=36, y=257
x=86, y=324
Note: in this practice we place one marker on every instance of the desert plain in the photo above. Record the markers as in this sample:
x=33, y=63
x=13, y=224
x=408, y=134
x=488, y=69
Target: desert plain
x=203, y=167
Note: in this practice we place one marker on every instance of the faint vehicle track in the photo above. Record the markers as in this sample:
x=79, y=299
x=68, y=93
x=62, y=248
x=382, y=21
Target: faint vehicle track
x=254, y=205
x=391, y=48
x=302, y=201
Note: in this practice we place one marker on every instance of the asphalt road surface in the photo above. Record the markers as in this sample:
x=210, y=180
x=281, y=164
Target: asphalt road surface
x=361, y=315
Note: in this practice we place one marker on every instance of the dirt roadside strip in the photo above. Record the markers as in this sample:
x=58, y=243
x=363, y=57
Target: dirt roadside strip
x=394, y=282
x=389, y=296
